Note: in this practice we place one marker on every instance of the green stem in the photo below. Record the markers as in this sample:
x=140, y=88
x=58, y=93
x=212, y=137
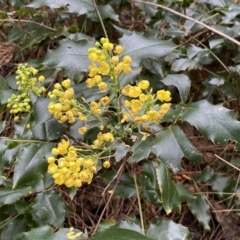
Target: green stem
x=139, y=203
x=100, y=18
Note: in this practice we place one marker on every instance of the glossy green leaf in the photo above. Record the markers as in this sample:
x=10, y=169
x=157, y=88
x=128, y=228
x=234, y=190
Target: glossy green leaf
x=45, y=127
x=183, y=64
x=219, y=184
x=174, y=138
x=215, y=122
x=184, y=194
x=181, y=82
x=119, y=234
x=205, y=175
x=31, y=163
x=49, y=207
x=106, y=11
x=9, y=195
x=169, y=194
x=70, y=55
x=200, y=210
x=167, y=230
x=14, y=229
x=149, y=10
x=141, y=149
x=140, y=47
x=40, y=233
x=61, y=234
x=121, y=150
x=75, y=6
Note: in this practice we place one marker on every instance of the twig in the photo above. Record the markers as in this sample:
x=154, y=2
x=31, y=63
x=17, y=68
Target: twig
x=110, y=197
x=191, y=19
x=227, y=162
x=26, y=21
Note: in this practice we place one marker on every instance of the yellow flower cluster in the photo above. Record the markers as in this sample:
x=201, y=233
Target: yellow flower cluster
x=102, y=138
x=27, y=82
x=70, y=169
x=142, y=107
x=64, y=106
x=106, y=61
x=72, y=234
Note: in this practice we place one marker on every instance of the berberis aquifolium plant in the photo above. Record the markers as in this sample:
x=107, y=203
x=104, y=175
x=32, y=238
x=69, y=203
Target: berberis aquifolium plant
x=93, y=134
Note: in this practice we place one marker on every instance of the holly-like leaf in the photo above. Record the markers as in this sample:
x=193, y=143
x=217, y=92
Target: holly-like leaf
x=9, y=195
x=174, y=138
x=169, y=194
x=49, y=206
x=167, y=230
x=14, y=229
x=183, y=64
x=181, y=82
x=70, y=56
x=200, y=209
x=31, y=164
x=40, y=233
x=121, y=150
x=106, y=11
x=215, y=122
x=45, y=126
x=119, y=234
x=140, y=47
x=141, y=149
x=74, y=6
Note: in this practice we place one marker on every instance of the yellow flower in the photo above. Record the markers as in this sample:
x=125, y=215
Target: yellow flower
x=127, y=59
x=144, y=84
x=165, y=107
x=125, y=118
x=125, y=90
x=41, y=78
x=108, y=137
x=94, y=106
x=115, y=60
x=97, y=79
x=82, y=130
x=51, y=160
x=104, y=69
x=108, y=46
x=90, y=82
x=118, y=49
x=52, y=168
x=134, y=91
x=106, y=164
x=152, y=115
x=143, y=97
x=136, y=105
x=104, y=100
x=63, y=146
x=126, y=68
x=66, y=83
x=164, y=95
x=102, y=86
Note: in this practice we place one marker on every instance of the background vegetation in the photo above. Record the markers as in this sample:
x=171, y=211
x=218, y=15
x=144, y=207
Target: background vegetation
x=191, y=191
